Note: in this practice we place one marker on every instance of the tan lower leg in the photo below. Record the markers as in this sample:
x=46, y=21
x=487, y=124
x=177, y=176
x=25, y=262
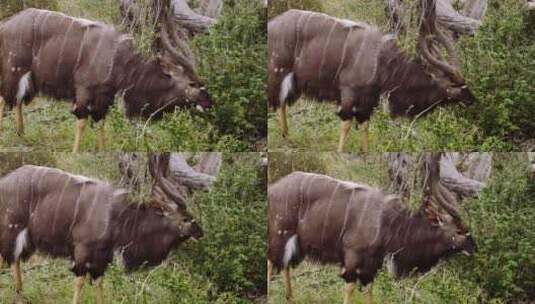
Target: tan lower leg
x=101, y=140
x=2, y=105
x=17, y=276
x=19, y=119
x=283, y=119
x=364, y=129
x=369, y=297
x=345, y=127
x=288, y=283
x=348, y=292
x=80, y=126
x=78, y=285
x=269, y=272
x=99, y=290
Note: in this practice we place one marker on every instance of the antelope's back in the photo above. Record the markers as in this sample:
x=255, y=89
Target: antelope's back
x=59, y=50
x=322, y=50
x=326, y=213
x=56, y=206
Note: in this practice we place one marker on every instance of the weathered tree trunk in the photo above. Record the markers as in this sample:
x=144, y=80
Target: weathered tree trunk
x=211, y=8
x=463, y=22
x=201, y=177
x=470, y=182
x=176, y=171
x=447, y=177
x=399, y=172
x=199, y=21
x=194, y=21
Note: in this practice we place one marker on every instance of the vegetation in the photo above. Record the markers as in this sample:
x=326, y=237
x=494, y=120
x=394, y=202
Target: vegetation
x=226, y=266
x=232, y=62
x=497, y=65
x=500, y=220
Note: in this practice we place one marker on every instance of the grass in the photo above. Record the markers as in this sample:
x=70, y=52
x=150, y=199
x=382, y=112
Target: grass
x=49, y=281
x=315, y=127
x=50, y=126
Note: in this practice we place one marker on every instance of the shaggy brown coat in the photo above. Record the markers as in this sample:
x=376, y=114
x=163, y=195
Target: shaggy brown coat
x=355, y=226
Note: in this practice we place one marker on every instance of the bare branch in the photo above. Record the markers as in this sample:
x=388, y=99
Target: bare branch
x=211, y=8
x=210, y=163
x=193, y=21
x=184, y=174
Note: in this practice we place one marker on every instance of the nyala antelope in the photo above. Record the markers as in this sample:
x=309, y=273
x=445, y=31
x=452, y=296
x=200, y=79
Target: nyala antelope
x=357, y=227
x=353, y=63
x=89, y=63
x=87, y=221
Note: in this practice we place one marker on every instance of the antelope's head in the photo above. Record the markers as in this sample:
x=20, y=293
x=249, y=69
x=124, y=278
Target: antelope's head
x=173, y=202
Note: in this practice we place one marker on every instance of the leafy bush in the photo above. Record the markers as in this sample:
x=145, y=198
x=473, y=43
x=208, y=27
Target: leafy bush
x=232, y=252
x=233, y=63
x=499, y=67
x=503, y=226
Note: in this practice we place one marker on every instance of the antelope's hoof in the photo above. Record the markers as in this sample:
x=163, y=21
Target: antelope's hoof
x=20, y=299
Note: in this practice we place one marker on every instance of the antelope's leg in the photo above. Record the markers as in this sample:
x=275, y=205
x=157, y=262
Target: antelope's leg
x=283, y=119
x=288, y=283
x=345, y=127
x=101, y=137
x=348, y=292
x=19, y=119
x=369, y=298
x=269, y=273
x=17, y=276
x=80, y=126
x=78, y=285
x=2, y=105
x=99, y=292
x=364, y=129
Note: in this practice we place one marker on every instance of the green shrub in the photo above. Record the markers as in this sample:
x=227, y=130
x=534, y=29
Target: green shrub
x=233, y=64
x=503, y=226
x=498, y=65
x=232, y=253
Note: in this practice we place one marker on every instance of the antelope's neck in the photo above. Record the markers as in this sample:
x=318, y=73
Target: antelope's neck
x=128, y=222
x=394, y=68
x=408, y=232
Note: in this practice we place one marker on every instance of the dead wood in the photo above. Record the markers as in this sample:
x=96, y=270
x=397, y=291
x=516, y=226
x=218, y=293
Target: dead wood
x=464, y=21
